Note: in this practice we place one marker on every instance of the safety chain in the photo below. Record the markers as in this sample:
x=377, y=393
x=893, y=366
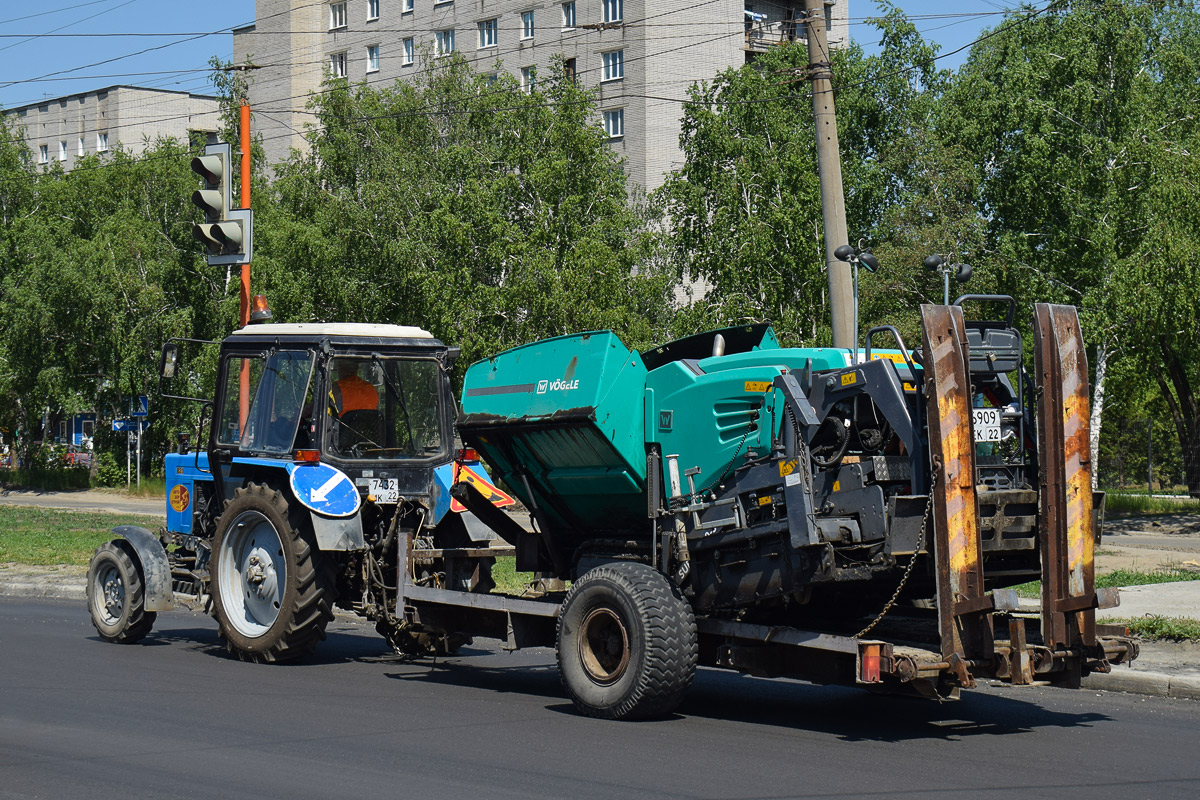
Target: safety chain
x=911, y=562
x=694, y=496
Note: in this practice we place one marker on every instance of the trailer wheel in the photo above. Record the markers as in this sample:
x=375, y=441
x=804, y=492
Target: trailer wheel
x=272, y=593
x=116, y=595
x=627, y=645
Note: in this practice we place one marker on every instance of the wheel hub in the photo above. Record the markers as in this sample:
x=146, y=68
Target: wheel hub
x=114, y=595
x=261, y=578
x=604, y=646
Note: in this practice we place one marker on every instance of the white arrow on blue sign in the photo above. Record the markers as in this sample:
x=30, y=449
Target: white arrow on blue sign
x=130, y=424
x=324, y=489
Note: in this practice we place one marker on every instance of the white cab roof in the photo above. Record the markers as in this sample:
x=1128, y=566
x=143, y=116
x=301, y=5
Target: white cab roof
x=316, y=329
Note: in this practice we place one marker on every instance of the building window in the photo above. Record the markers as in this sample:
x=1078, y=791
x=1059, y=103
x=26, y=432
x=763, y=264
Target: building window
x=614, y=65
x=528, y=76
x=337, y=65
x=491, y=78
x=488, y=32
x=372, y=10
x=614, y=123
x=444, y=42
x=43, y=153
x=569, y=69
x=614, y=10
x=81, y=148
x=407, y=7
x=337, y=15
x=372, y=58
x=62, y=150
x=569, y=14
x=527, y=25
x=101, y=142
x=409, y=55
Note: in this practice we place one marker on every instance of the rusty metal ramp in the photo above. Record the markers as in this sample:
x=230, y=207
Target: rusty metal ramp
x=964, y=611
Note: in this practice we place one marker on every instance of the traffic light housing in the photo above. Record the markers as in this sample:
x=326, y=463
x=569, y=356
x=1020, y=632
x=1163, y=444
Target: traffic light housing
x=226, y=233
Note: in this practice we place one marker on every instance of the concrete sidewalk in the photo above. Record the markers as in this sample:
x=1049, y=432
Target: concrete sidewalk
x=1166, y=669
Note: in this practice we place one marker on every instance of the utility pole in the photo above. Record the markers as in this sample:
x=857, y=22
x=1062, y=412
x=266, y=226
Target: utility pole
x=829, y=165
x=244, y=378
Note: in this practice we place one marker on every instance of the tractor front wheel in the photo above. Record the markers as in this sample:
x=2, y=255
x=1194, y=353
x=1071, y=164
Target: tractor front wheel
x=116, y=594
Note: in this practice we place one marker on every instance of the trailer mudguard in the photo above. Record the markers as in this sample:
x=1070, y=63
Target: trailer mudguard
x=156, y=571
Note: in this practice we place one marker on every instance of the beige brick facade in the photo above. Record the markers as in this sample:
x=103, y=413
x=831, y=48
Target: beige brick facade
x=664, y=48
x=63, y=129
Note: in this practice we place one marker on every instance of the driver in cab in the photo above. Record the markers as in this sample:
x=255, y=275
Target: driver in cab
x=350, y=392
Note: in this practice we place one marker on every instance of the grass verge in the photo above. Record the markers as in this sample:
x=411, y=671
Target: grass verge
x=1137, y=504
x=1122, y=577
x=50, y=536
x=1174, y=629
x=507, y=579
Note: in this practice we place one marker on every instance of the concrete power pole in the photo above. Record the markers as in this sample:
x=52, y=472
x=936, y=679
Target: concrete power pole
x=829, y=165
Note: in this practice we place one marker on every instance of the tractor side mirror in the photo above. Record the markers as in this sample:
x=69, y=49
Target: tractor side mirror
x=169, y=360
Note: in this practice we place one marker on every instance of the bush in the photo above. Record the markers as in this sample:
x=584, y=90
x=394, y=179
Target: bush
x=108, y=471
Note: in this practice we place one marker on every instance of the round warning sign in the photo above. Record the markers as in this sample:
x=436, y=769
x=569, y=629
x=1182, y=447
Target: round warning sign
x=180, y=498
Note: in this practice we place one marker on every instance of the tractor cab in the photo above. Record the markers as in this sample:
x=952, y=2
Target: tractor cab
x=372, y=400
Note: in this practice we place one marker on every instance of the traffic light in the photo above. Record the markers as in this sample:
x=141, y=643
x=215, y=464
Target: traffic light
x=226, y=233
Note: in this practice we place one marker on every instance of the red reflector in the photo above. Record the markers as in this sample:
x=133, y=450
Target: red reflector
x=308, y=456
x=869, y=663
x=468, y=454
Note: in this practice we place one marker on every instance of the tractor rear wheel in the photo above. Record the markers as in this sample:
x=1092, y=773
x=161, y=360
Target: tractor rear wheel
x=272, y=591
x=116, y=595
x=627, y=645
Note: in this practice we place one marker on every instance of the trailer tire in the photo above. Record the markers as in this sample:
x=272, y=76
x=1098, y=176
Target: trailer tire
x=626, y=641
x=116, y=594
x=272, y=590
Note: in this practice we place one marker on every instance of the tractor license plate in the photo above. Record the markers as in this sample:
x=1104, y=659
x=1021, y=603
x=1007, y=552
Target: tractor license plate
x=384, y=490
x=986, y=423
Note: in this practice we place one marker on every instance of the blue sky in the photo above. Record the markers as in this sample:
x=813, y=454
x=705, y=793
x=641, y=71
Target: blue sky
x=37, y=66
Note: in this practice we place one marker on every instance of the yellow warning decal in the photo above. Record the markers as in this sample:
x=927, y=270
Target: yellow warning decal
x=764, y=501
x=837, y=486
x=787, y=467
x=180, y=498
x=758, y=386
x=908, y=387
x=465, y=474
x=849, y=379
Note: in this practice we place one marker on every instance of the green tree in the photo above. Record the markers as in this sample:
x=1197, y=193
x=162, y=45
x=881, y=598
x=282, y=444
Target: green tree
x=487, y=215
x=1079, y=117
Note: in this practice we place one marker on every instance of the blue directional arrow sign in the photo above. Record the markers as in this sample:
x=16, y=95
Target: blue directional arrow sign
x=324, y=489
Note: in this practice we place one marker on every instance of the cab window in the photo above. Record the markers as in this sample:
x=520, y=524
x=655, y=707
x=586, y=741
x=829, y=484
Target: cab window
x=265, y=417
x=383, y=408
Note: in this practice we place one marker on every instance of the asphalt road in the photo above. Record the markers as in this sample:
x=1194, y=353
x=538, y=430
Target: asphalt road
x=174, y=717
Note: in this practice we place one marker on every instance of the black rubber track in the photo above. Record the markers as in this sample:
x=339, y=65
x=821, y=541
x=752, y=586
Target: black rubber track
x=308, y=596
x=135, y=621
x=663, y=642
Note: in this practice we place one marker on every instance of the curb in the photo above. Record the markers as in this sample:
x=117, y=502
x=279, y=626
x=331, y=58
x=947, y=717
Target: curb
x=36, y=587
x=1158, y=684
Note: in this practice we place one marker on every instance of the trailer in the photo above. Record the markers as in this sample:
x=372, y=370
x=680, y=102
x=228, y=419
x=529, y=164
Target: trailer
x=854, y=517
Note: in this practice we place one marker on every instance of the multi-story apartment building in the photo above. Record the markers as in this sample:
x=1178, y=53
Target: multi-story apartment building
x=642, y=55
x=67, y=128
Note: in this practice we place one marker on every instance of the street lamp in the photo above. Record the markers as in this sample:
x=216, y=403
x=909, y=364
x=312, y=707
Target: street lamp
x=936, y=263
x=855, y=257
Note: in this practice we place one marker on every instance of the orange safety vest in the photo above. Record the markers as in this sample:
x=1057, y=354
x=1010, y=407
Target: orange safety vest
x=352, y=393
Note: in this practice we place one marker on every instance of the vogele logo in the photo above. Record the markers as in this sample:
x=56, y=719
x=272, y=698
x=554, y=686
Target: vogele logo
x=557, y=386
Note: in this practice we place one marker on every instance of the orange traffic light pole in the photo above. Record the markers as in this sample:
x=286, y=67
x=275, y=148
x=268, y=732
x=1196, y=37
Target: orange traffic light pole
x=244, y=385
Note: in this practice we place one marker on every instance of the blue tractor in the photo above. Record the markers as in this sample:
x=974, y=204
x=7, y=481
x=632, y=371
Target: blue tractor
x=324, y=441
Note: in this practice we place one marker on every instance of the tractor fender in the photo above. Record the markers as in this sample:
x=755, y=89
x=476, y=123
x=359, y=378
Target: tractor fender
x=338, y=533
x=156, y=571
